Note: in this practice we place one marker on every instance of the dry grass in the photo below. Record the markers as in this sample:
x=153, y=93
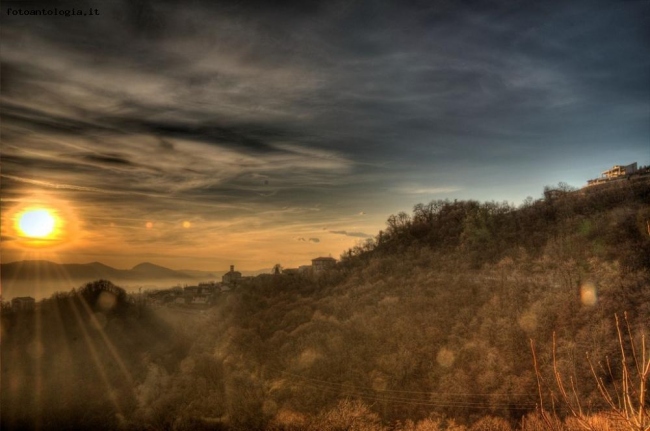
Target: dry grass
x=347, y=416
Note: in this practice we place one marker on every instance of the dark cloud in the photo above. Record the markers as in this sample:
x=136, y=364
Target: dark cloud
x=242, y=137
x=111, y=159
x=436, y=75
x=39, y=120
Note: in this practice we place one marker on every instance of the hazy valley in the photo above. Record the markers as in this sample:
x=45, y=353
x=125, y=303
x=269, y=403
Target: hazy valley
x=40, y=279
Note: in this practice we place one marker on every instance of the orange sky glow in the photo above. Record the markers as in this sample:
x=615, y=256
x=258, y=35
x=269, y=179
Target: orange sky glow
x=90, y=234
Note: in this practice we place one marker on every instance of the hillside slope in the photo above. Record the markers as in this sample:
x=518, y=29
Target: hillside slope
x=436, y=317
x=433, y=317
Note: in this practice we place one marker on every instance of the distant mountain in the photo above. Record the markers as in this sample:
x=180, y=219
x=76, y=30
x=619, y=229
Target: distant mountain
x=203, y=275
x=41, y=278
x=150, y=270
x=257, y=272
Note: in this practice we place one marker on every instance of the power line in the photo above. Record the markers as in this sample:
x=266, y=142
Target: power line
x=393, y=396
x=475, y=394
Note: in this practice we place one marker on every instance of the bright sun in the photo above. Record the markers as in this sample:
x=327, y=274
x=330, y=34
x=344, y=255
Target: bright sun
x=37, y=223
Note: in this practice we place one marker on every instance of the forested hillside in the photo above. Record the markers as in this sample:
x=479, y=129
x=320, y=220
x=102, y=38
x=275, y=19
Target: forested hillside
x=428, y=326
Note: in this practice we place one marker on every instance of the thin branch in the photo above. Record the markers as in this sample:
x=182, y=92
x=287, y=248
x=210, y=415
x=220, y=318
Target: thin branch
x=539, y=383
x=632, y=344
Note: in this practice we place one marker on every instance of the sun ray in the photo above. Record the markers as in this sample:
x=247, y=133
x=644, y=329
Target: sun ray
x=70, y=301
x=37, y=352
x=16, y=274
x=94, y=354
x=111, y=347
x=17, y=380
x=65, y=350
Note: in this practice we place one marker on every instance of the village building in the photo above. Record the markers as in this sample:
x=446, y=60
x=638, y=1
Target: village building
x=203, y=294
x=158, y=297
x=321, y=264
x=200, y=300
x=204, y=288
x=191, y=290
x=23, y=303
x=232, y=277
x=304, y=269
x=290, y=271
x=208, y=286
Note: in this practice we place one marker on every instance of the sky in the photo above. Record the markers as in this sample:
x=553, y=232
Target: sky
x=196, y=135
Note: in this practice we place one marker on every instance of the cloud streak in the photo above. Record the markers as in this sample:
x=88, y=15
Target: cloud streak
x=352, y=234
x=312, y=240
x=418, y=190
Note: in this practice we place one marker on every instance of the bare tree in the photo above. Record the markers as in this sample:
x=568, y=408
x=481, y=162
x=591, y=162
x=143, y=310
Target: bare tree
x=627, y=400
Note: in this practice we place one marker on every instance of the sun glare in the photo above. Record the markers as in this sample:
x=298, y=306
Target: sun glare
x=40, y=224
x=37, y=223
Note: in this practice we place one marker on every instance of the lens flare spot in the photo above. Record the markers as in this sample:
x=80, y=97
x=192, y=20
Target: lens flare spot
x=528, y=321
x=445, y=357
x=308, y=357
x=588, y=294
x=187, y=224
x=106, y=301
x=379, y=383
x=187, y=365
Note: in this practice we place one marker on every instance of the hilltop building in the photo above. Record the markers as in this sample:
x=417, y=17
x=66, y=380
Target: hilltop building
x=321, y=264
x=616, y=172
x=23, y=303
x=232, y=277
x=619, y=171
